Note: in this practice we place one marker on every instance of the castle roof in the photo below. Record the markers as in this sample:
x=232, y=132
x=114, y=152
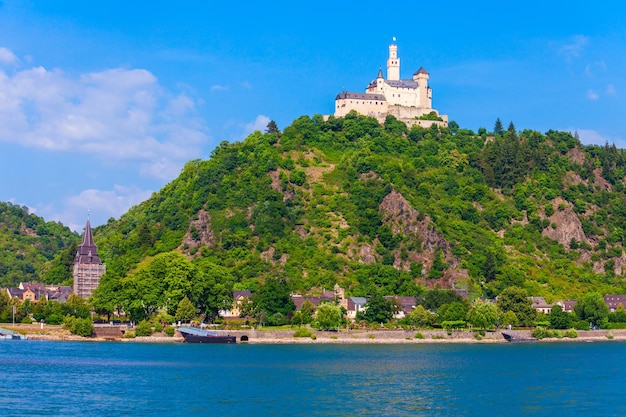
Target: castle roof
x=401, y=83
x=87, y=252
x=380, y=73
x=361, y=96
x=422, y=70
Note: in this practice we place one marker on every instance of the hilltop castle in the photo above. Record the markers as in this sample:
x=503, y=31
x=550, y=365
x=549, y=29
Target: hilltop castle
x=87, y=266
x=409, y=100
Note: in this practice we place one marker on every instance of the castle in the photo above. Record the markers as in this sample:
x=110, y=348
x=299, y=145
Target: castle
x=409, y=100
x=87, y=268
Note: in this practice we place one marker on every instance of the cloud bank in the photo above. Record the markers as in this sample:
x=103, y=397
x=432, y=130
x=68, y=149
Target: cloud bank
x=117, y=114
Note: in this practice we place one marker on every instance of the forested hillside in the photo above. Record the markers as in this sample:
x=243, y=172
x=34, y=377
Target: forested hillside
x=32, y=249
x=376, y=209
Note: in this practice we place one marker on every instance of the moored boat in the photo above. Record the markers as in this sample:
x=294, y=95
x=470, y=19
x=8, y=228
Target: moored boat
x=195, y=335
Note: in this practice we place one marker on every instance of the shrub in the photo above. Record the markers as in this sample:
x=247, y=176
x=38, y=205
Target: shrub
x=302, y=332
x=129, y=334
x=540, y=333
x=169, y=330
x=557, y=334
x=158, y=327
x=609, y=335
x=419, y=335
x=571, y=333
x=78, y=326
x=143, y=328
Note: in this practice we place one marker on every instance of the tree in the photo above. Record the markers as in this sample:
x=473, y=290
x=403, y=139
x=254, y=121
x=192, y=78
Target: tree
x=329, y=316
x=436, y=298
x=592, y=309
x=272, y=127
x=490, y=270
x=378, y=309
x=186, y=310
x=511, y=129
x=483, y=314
x=559, y=319
x=274, y=297
x=212, y=290
x=497, y=128
x=516, y=299
x=420, y=317
x=452, y=312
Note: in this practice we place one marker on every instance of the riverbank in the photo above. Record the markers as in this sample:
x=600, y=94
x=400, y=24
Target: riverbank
x=253, y=336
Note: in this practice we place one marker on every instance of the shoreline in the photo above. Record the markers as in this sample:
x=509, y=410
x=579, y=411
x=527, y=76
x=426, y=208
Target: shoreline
x=360, y=337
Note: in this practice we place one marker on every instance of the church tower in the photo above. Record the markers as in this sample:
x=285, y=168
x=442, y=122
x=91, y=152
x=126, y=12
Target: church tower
x=87, y=266
x=393, y=63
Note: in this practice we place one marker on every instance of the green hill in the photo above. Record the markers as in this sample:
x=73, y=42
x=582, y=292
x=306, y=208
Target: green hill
x=32, y=249
x=374, y=207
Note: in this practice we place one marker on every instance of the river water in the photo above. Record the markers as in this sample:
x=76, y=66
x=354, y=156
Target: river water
x=136, y=379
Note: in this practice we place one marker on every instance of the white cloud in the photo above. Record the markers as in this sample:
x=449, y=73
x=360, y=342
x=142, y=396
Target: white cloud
x=610, y=90
x=218, y=87
x=100, y=205
x=574, y=47
x=115, y=114
x=7, y=56
x=592, y=95
x=260, y=123
x=592, y=69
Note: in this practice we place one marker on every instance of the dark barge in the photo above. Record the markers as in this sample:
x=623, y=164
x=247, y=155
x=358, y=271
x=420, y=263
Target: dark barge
x=195, y=335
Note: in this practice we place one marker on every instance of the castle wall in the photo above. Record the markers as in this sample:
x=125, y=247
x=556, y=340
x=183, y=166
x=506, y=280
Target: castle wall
x=362, y=106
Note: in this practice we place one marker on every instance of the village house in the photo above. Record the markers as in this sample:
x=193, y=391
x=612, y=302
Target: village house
x=540, y=304
x=614, y=300
x=406, y=304
x=34, y=291
x=240, y=297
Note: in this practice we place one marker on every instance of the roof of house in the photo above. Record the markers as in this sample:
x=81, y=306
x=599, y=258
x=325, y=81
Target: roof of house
x=241, y=293
x=539, y=302
x=613, y=300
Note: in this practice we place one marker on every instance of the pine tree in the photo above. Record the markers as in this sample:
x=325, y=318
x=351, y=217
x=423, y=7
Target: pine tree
x=497, y=128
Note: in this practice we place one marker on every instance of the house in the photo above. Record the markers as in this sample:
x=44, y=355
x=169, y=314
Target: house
x=614, y=300
x=353, y=305
x=34, y=291
x=540, y=304
x=299, y=300
x=406, y=304
x=568, y=306
x=239, y=298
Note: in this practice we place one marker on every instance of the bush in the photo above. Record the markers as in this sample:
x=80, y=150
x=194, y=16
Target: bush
x=78, y=326
x=541, y=333
x=303, y=332
x=158, y=327
x=609, y=335
x=581, y=325
x=571, y=333
x=169, y=330
x=129, y=334
x=419, y=336
x=143, y=329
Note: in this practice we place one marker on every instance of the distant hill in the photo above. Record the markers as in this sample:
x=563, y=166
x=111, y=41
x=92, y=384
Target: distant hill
x=32, y=249
x=375, y=207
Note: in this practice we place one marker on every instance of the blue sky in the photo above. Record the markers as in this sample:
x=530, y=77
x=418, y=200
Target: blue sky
x=102, y=103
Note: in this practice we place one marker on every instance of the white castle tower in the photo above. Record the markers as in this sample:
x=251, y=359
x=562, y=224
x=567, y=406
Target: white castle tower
x=409, y=100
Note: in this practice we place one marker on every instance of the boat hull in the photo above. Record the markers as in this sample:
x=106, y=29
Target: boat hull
x=195, y=335
x=192, y=338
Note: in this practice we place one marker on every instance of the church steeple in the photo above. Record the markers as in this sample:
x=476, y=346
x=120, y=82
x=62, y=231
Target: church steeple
x=87, y=252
